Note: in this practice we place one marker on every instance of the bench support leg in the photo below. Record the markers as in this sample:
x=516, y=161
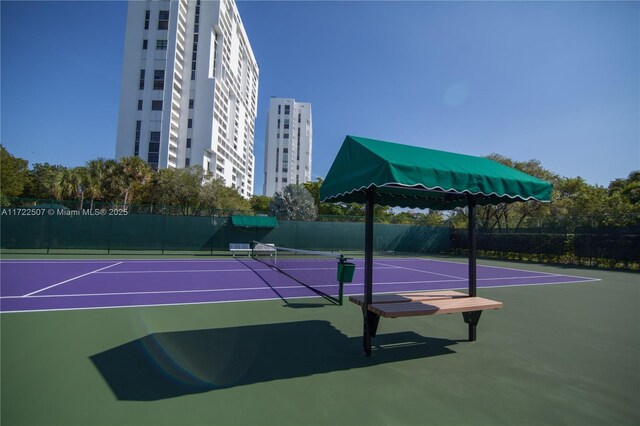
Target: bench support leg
x=371, y=321
x=472, y=319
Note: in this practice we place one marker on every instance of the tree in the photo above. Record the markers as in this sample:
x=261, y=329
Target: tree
x=295, y=203
x=45, y=181
x=215, y=195
x=432, y=218
x=512, y=215
x=628, y=188
x=113, y=184
x=333, y=209
x=96, y=170
x=135, y=172
x=182, y=187
x=73, y=183
x=14, y=174
x=259, y=203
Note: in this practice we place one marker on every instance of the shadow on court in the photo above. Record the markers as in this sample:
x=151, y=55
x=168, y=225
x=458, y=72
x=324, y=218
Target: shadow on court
x=167, y=365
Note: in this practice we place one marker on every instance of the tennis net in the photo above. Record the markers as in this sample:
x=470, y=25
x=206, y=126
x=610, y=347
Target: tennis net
x=315, y=270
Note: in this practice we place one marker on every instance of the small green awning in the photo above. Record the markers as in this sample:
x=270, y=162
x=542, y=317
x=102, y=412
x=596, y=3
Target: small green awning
x=414, y=177
x=255, y=221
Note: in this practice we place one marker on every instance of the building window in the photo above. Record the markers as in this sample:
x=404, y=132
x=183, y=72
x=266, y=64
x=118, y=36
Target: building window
x=139, y=104
x=279, y=106
x=141, y=87
x=299, y=117
x=156, y=105
x=287, y=109
x=187, y=162
x=284, y=180
x=144, y=44
x=278, y=123
x=161, y=44
x=158, y=80
x=154, y=150
x=163, y=20
x=277, y=160
x=136, y=148
x=285, y=161
x=147, y=15
x=190, y=103
x=188, y=142
x=285, y=136
x=286, y=123
x=190, y=123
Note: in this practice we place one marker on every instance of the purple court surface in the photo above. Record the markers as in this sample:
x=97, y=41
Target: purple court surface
x=42, y=285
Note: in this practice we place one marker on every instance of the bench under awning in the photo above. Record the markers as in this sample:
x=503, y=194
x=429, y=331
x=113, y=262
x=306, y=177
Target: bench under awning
x=377, y=172
x=255, y=221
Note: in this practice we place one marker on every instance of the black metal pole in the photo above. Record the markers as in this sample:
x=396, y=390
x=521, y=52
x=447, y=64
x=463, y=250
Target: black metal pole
x=472, y=246
x=368, y=272
x=472, y=261
x=342, y=260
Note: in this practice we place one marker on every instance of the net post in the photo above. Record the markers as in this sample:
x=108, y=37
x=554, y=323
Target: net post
x=342, y=259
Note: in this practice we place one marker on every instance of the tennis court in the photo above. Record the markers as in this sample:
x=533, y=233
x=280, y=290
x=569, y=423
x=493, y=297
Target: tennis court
x=35, y=285
x=563, y=350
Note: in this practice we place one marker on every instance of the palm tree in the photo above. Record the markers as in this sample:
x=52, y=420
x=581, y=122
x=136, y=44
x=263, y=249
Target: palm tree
x=113, y=185
x=134, y=172
x=95, y=177
x=72, y=183
x=53, y=182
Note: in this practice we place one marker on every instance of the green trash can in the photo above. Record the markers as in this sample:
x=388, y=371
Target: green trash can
x=345, y=271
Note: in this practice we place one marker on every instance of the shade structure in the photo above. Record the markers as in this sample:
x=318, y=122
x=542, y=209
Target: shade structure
x=255, y=221
x=377, y=172
x=410, y=176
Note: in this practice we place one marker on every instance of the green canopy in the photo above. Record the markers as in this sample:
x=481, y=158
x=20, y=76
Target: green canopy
x=410, y=176
x=375, y=172
x=255, y=221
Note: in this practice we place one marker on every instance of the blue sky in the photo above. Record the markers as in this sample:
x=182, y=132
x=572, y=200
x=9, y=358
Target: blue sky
x=554, y=81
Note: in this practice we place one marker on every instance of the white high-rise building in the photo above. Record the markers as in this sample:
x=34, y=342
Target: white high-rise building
x=189, y=89
x=289, y=136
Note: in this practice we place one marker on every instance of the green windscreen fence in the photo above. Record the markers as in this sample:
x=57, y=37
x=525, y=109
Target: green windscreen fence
x=596, y=246
x=255, y=221
x=201, y=233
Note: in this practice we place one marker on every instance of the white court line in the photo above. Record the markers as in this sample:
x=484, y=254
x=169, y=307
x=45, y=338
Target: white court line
x=175, y=271
x=246, y=300
x=70, y=279
x=500, y=267
x=121, y=260
x=128, y=293
x=284, y=287
x=420, y=270
x=155, y=305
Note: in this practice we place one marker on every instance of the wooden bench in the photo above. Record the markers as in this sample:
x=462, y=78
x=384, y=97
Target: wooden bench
x=425, y=303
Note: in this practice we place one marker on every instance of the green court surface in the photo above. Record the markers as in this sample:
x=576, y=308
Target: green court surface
x=554, y=355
